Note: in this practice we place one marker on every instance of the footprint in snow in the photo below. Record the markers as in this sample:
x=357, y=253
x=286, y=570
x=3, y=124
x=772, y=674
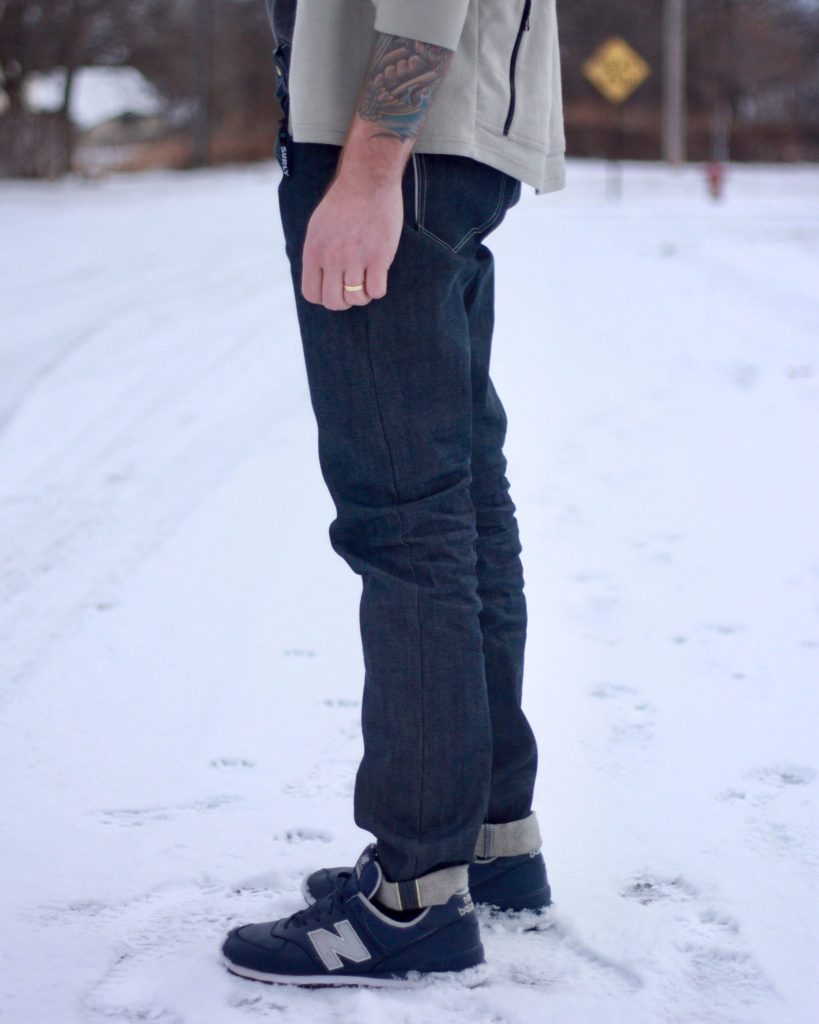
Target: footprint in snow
x=744, y=376
x=783, y=774
x=611, y=691
x=766, y=783
x=266, y=881
x=648, y=888
x=778, y=820
x=540, y=950
x=164, y=948
x=629, y=719
x=694, y=943
x=334, y=772
x=232, y=762
x=724, y=627
x=304, y=834
x=600, y=599
x=658, y=547
x=330, y=778
x=135, y=816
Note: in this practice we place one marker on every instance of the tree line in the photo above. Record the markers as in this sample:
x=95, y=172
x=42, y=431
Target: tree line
x=751, y=63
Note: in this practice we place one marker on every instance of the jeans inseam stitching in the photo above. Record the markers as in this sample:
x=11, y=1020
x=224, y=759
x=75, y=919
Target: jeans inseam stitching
x=415, y=580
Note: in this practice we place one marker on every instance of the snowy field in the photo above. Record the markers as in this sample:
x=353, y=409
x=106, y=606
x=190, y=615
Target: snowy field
x=180, y=669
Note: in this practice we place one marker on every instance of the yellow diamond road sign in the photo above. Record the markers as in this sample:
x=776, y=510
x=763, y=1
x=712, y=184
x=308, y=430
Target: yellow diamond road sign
x=616, y=69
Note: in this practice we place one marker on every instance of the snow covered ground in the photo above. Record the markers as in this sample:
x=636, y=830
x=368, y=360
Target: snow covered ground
x=180, y=669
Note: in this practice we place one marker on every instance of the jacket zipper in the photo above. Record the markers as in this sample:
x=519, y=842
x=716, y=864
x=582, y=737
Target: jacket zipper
x=523, y=27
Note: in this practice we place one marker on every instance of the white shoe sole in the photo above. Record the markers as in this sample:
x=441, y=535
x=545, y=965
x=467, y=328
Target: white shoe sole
x=470, y=977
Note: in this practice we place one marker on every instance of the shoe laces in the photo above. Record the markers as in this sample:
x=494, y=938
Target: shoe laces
x=326, y=905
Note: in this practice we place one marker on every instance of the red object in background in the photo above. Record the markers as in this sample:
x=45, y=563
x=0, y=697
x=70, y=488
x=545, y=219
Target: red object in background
x=715, y=172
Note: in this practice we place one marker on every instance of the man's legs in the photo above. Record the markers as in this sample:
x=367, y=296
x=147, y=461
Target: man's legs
x=390, y=384
x=410, y=435
x=410, y=445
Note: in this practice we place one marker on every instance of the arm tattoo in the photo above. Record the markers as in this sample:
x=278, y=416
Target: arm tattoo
x=401, y=80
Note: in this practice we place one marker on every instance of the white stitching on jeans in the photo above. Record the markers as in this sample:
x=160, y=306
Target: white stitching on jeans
x=421, y=218
x=487, y=223
x=424, y=189
x=415, y=185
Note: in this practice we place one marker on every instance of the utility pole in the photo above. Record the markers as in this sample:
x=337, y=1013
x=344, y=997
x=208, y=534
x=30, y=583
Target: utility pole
x=674, y=114
x=203, y=58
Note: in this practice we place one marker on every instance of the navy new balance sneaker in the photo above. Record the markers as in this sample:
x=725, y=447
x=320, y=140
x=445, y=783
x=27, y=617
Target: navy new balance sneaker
x=507, y=883
x=344, y=938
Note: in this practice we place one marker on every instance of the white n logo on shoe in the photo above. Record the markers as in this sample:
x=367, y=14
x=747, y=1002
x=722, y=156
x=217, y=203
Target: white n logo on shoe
x=344, y=943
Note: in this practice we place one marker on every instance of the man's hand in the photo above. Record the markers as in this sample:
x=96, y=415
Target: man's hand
x=354, y=231
x=352, y=239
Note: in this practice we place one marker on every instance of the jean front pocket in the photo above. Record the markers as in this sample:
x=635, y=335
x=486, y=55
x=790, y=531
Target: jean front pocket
x=458, y=201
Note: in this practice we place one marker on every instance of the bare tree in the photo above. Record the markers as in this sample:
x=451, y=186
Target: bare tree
x=66, y=34
x=751, y=62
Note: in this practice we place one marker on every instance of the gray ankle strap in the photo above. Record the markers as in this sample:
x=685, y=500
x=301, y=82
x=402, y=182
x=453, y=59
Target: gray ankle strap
x=427, y=891
x=509, y=839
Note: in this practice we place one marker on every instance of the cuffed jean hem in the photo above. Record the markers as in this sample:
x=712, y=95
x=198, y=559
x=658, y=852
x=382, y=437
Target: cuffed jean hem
x=404, y=860
x=509, y=839
x=429, y=890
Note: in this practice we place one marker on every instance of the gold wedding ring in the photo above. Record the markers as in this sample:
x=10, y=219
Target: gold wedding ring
x=354, y=287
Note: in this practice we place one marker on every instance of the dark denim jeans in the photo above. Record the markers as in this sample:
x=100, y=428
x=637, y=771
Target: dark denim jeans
x=410, y=444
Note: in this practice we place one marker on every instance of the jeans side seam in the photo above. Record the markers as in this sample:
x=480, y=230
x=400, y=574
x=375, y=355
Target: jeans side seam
x=424, y=189
x=414, y=577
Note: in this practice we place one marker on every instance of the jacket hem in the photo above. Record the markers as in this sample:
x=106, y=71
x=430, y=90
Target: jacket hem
x=549, y=177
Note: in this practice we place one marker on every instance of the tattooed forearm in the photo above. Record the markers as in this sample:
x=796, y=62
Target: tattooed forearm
x=400, y=84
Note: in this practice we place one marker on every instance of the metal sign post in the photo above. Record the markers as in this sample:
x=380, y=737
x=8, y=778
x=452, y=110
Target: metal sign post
x=674, y=44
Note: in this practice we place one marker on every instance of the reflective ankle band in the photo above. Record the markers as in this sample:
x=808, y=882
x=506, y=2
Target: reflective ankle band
x=509, y=839
x=427, y=891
